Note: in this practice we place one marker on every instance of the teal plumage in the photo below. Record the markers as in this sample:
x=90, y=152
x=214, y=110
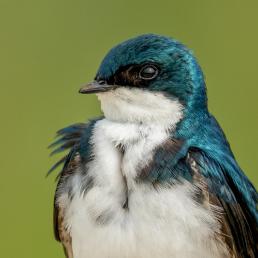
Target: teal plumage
x=198, y=150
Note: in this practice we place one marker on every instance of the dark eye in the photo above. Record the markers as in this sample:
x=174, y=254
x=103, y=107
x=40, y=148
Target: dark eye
x=148, y=72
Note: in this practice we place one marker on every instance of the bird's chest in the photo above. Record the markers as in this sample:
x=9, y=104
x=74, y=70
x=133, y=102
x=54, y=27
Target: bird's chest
x=123, y=150
x=120, y=218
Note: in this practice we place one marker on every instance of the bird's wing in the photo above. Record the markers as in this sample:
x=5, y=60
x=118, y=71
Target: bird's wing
x=174, y=160
x=74, y=138
x=239, y=228
x=61, y=232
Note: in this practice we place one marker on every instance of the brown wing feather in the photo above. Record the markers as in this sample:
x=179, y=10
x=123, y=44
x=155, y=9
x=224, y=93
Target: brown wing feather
x=238, y=226
x=60, y=228
x=210, y=200
x=61, y=231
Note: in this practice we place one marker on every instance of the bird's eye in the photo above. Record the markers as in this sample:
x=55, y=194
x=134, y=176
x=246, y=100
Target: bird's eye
x=148, y=72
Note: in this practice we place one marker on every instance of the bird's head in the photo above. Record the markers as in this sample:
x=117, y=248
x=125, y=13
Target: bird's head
x=149, y=79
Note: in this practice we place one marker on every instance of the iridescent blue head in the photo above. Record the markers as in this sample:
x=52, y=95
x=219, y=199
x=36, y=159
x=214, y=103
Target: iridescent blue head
x=155, y=64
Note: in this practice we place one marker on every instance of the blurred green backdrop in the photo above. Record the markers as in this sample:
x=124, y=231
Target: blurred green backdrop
x=49, y=48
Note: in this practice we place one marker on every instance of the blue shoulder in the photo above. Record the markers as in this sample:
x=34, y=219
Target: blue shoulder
x=219, y=165
x=76, y=139
x=203, y=133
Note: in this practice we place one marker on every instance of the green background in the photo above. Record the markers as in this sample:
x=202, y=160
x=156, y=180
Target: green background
x=49, y=48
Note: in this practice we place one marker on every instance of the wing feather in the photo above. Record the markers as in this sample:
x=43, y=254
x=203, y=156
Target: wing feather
x=238, y=224
x=174, y=161
x=74, y=138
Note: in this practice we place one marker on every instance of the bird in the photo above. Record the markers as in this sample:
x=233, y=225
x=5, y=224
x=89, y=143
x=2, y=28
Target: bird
x=154, y=176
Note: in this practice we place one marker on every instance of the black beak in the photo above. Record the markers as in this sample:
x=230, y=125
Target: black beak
x=94, y=87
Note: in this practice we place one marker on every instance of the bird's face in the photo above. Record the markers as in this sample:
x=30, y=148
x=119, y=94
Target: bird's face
x=149, y=78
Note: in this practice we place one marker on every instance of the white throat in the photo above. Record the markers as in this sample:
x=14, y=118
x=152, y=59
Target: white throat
x=133, y=105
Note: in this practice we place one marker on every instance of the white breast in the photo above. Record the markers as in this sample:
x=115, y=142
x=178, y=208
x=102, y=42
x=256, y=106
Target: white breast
x=160, y=222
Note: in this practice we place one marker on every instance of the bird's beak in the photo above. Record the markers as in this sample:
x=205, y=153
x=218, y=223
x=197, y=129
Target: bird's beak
x=95, y=87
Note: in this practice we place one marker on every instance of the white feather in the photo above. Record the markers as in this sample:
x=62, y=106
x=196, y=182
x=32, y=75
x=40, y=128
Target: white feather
x=159, y=223
x=140, y=106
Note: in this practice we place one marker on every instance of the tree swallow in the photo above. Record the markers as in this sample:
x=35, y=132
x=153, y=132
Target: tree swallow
x=155, y=176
